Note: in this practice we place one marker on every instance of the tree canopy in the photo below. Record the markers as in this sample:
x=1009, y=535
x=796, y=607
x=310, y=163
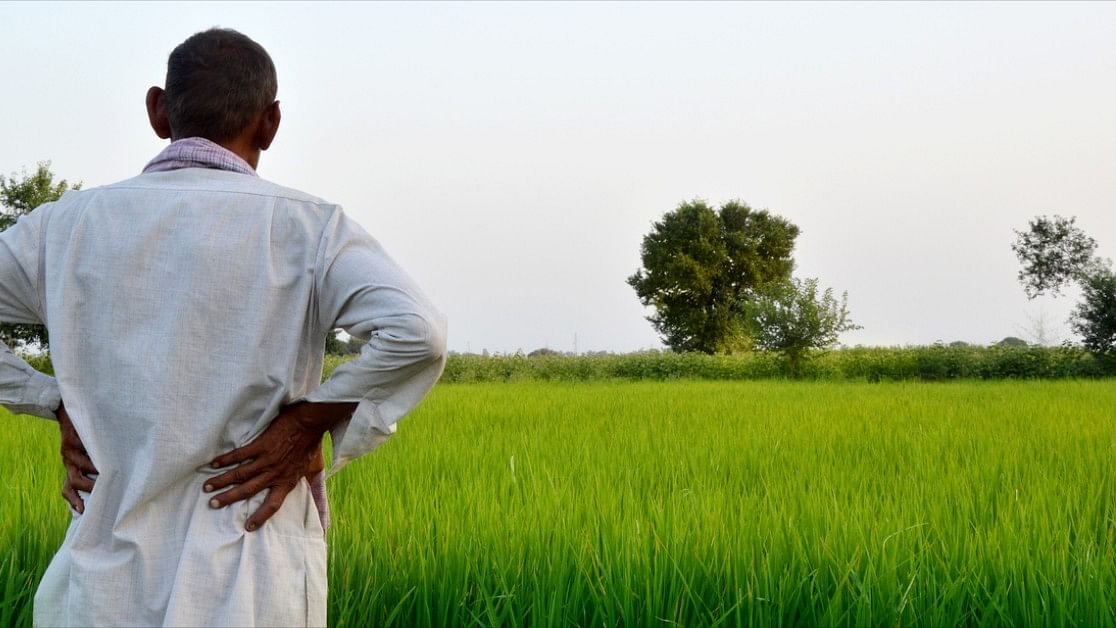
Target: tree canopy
x=1094, y=319
x=1054, y=252
x=701, y=267
x=19, y=196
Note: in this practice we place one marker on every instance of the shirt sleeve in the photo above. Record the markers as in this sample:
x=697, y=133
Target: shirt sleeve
x=363, y=291
x=23, y=390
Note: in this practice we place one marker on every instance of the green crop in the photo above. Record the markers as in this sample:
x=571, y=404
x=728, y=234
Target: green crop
x=697, y=504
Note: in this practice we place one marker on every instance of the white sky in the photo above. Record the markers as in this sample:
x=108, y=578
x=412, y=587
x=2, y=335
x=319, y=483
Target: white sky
x=512, y=156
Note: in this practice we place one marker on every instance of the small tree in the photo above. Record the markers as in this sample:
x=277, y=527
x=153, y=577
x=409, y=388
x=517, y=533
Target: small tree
x=1055, y=252
x=542, y=352
x=17, y=198
x=1095, y=317
x=791, y=318
x=700, y=267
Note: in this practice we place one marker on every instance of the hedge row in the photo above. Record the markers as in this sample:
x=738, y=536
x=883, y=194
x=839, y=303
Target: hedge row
x=932, y=363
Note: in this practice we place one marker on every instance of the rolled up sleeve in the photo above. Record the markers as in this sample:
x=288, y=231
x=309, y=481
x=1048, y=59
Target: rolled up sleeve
x=363, y=291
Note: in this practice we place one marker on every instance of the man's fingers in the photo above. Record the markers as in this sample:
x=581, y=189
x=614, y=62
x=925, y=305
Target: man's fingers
x=276, y=460
x=236, y=475
x=79, y=460
x=269, y=507
x=238, y=455
x=71, y=496
x=80, y=482
x=240, y=492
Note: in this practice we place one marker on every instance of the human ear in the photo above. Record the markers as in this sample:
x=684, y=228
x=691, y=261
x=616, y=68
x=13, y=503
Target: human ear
x=269, y=125
x=157, y=112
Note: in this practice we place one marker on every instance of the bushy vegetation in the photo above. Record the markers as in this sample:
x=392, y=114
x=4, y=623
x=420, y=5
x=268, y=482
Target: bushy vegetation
x=702, y=267
x=872, y=364
x=933, y=363
x=696, y=504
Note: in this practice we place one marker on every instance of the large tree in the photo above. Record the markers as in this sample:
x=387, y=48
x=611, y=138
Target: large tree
x=792, y=318
x=1055, y=252
x=702, y=266
x=18, y=197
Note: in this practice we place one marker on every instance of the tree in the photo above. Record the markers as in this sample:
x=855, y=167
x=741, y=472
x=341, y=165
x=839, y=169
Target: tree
x=333, y=344
x=1055, y=252
x=1094, y=319
x=17, y=198
x=791, y=318
x=700, y=267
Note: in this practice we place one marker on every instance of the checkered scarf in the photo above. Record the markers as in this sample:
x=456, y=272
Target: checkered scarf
x=198, y=152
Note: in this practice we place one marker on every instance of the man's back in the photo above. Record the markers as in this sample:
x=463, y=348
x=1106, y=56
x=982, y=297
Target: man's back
x=186, y=308
x=182, y=312
x=180, y=304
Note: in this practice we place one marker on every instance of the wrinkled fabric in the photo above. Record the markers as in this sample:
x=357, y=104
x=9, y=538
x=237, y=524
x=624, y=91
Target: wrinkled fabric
x=198, y=152
x=185, y=308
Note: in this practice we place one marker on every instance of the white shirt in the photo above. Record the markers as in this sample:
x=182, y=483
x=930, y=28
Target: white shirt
x=184, y=309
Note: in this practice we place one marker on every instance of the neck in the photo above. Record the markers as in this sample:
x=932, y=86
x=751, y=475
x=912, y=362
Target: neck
x=244, y=149
x=240, y=147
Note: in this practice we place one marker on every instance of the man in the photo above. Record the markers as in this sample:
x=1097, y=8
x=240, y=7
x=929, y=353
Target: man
x=188, y=309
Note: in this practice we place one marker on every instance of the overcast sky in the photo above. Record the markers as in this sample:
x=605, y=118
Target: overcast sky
x=512, y=156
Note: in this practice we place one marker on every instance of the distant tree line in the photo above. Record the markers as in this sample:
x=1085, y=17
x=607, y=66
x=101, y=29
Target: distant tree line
x=719, y=282
x=937, y=362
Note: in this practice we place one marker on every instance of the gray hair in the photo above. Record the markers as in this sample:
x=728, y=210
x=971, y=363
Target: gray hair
x=218, y=81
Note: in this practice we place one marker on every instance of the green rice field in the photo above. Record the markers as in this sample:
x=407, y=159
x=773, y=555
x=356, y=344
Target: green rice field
x=769, y=503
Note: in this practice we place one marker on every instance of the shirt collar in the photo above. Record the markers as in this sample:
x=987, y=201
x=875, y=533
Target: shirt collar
x=198, y=152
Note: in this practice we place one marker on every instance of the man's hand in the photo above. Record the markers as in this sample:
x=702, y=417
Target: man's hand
x=288, y=450
x=76, y=460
